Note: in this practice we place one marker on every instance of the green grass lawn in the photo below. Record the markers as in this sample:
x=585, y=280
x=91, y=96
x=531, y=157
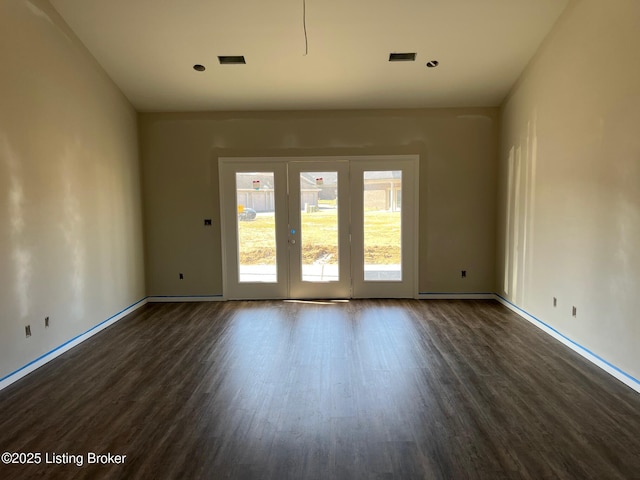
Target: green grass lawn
x=319, y=238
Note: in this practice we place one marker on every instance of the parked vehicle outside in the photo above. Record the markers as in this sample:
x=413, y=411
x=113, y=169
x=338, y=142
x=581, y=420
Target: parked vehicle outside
x=247, y=214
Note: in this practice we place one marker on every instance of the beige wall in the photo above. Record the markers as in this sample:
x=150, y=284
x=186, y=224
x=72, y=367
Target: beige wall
x=569, y=224
x=70, y=209
x=458, y=151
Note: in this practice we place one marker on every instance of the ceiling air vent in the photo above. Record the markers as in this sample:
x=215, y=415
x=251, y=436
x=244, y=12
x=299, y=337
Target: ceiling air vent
x=231, y=59
x=402, y=57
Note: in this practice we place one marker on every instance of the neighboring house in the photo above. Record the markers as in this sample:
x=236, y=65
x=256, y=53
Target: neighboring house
x=328, y=187
x=260, y=196
x=383, y=190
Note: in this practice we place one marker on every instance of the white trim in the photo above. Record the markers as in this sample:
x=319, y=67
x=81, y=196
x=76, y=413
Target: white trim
x=416, y=230
x=603, y=364
x=457, y=296
x=56, y=352
x=186, y=298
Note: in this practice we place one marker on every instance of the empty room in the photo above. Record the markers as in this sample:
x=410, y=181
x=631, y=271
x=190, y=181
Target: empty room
x=320, y=240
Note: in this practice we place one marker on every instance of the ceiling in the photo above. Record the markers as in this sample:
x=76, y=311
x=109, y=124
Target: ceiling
x=149, y=48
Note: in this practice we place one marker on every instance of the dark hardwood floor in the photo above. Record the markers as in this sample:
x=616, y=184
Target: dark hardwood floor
x=385, y=389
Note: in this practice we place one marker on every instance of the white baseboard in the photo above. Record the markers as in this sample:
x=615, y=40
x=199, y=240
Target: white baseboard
x=56, y=352
x=185, y=298
x=592, y=357
x=457, y=296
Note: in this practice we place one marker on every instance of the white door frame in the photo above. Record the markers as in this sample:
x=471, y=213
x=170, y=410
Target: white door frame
x=409, y=164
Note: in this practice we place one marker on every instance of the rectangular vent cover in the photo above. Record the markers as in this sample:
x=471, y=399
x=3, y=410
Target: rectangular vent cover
x=231, y=60
x=402, y=57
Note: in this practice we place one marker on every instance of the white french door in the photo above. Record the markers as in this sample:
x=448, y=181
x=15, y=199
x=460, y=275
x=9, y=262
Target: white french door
x=319, y=251
x=384, y=216
x=319, y=227
x=253, y=203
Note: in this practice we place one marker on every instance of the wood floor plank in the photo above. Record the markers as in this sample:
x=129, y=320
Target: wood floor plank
x=362, y=389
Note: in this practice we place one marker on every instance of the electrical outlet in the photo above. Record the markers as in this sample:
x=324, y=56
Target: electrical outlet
x=46, y=322
x=574, y=311
x=463, y=273
x=555, y=302
x=27, y=331
x=181, y=276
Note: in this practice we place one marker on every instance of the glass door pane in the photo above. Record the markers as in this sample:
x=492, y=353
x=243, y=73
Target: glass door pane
x=257, y=252
x=319, y=226
x=382, y=191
